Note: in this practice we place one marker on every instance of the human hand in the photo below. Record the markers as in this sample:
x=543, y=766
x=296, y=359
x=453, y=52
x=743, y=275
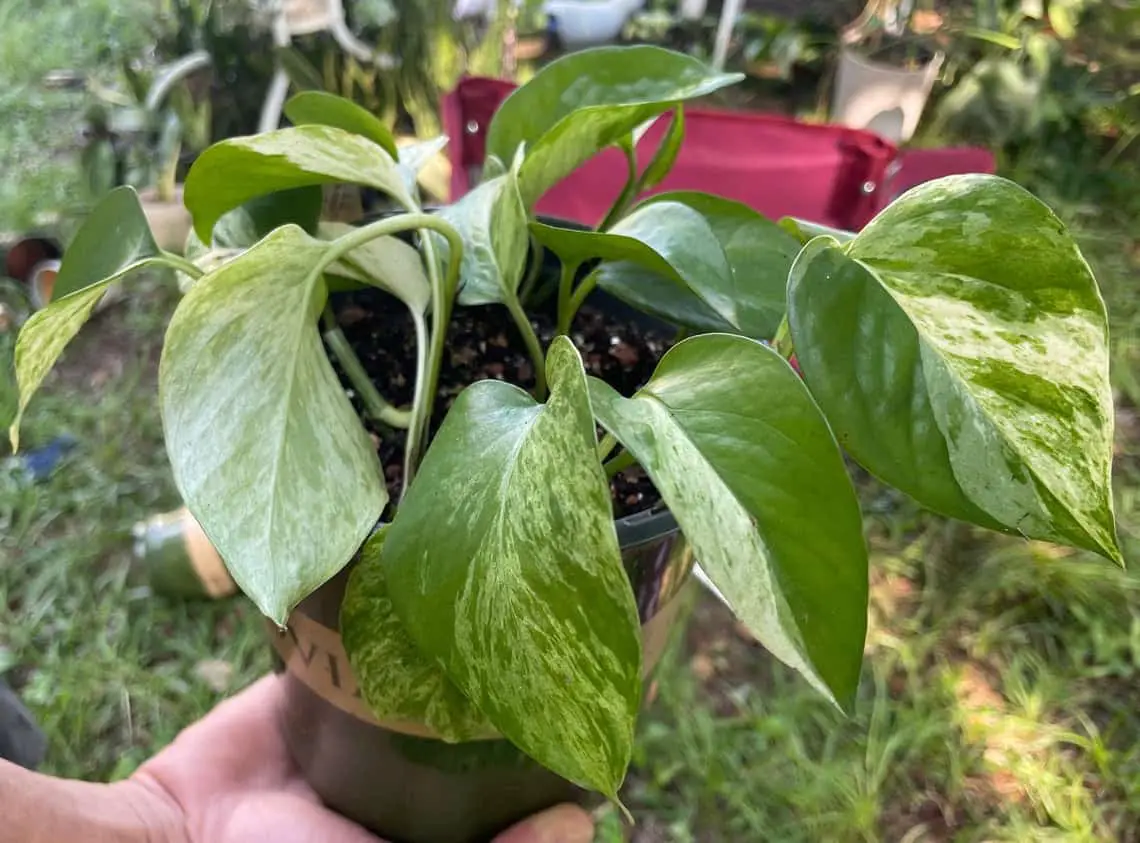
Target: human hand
x=229, y=779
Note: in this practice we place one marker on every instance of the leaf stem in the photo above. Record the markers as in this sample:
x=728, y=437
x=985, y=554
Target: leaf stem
x=565, y=288
x=535, y=269
x=566, y=317
x=782, y=342
x=618, y=464
x=606, y=446
x=629, y=191
x=180, y=264
x=533, y=346
x=375, y=405
x=442, y=291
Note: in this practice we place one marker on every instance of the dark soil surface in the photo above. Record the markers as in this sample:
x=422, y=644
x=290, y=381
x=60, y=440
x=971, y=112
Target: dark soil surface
x=483, y=343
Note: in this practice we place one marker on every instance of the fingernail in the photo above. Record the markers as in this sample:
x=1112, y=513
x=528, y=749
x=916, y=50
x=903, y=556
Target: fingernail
x=562, y=824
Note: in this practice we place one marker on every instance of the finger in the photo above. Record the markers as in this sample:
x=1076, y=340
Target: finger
x=279, y=818
x=562, y=824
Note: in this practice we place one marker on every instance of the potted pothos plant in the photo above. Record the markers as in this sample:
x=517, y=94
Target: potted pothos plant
x=530, y=425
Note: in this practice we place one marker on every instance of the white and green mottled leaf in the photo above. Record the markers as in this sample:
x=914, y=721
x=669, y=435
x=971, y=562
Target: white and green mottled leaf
x=385, y=262
x=958, y=346
x=492, y=222
x=267, y=451
x=396, y=679
x=503, y=564
x=747, y=465
x=234, y=171
x=413, y=157
x=578, y=105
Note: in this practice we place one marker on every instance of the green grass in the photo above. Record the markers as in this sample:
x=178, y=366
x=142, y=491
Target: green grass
x=998, y=697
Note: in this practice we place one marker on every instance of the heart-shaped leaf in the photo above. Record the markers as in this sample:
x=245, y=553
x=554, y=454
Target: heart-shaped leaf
x=324, y=109
x=804, y=231
x=267, y=451
x=706, y=263
x=759, y=255
x=958, y=346
x=396, y=679
x=113, y=238
x=385, y=262
x=745, y=462
x=114, y=241
x=492, y=222
x=234, y=171
x=578, y=105
x=520, y=591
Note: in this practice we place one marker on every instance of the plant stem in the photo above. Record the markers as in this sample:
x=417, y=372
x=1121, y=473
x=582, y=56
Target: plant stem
x=180, y=264
x=565, y=288
x=375, y=405
x=566, y=317
x=605, y=446
x=535, y=269
x=628, y=192
x=782, y=342
x=533, y=346
x=441, y=311
x=618, y=464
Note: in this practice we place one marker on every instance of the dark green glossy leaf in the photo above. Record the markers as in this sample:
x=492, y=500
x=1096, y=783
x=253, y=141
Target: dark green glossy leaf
x=668, y=248
x=325, y=109
x=759, y=255
x=245, y=226
x=114, y=237
x=234, y=171
x=666, y=155
x=396, y=679
x=520, y=591
x=582, y=103
x=959, y=350
x=267, y=451
x=492, y=222
x=729, y=264
x=747, y=465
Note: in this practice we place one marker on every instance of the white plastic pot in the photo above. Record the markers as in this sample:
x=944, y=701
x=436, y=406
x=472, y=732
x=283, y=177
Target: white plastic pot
x=585, y=23
x=879, y=97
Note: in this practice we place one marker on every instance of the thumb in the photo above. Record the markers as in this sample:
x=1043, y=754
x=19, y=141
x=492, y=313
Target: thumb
x=562, y=824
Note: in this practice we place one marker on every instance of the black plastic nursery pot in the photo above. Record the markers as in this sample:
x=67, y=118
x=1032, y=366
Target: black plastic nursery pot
x=395, y=778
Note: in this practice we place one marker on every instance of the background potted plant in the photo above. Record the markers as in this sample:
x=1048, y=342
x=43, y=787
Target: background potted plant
x=956, y=348
x=140, y=140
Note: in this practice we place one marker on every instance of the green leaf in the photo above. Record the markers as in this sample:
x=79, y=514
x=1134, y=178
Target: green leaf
x=325, y=109
x=727, y=265
x=492, y=222
x=113, y=238
x=759, y=255
x=804, y=231
x=267, y=451
x=245, y=226
x=232, y=172
x=396, y=679
x=959, y=349
x=114, y=241
x=747, y=465
x=385, y=262
x=578, y=105
x=520, y=592
x=666, y=155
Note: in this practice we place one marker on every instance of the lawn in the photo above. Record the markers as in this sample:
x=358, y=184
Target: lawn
x=998, y=693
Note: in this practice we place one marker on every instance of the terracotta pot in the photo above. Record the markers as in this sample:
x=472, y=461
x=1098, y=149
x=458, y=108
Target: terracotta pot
x=880, y=97
x=170, y=222
x=395, y=778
